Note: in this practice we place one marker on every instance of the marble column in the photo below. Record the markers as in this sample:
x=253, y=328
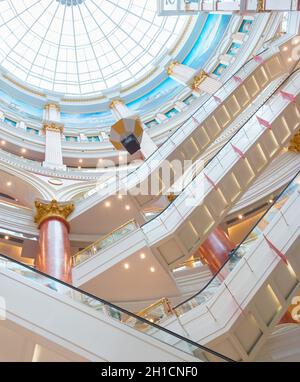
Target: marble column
x=215, y=249
x=54, y=256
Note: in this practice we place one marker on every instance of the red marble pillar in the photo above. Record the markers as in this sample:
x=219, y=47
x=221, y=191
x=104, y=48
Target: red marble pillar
x=215, y=249
x=54, y=257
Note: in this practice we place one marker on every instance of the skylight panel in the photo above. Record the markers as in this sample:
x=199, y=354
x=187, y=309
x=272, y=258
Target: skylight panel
x=55, y=46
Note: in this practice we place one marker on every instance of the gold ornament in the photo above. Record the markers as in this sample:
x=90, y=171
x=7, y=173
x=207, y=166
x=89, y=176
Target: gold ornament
x=261, y=5
x=57, y=127
x=295, y=143
x=197, y=81
x=171, y=67
x=115, y=102
x=52, y=209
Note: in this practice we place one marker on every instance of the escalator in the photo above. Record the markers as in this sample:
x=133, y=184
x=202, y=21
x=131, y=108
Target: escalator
x=190, y=140
x=256, y=283
x=78, y=322
x=223, y=181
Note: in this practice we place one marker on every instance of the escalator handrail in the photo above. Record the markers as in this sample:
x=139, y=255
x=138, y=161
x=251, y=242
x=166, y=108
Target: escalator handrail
x=121, y=310
x=199, y=108
x=239, y=246
x=227, y=143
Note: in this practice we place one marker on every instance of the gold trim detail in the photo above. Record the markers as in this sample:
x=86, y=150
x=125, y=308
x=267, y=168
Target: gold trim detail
x=98, y=242
x=171, y=67
x=163, y=302
x=52, y=209
x=171, y=197
x=198, y=79
x=295, y=143
x=57, y=127
x=261, y=5
x=115, y=102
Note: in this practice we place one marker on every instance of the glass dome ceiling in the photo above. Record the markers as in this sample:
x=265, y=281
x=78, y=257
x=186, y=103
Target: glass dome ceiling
x=82, y=47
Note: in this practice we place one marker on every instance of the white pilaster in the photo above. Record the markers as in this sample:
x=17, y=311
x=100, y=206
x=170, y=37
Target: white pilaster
x=53, y=131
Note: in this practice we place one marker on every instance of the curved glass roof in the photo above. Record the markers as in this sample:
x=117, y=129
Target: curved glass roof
x=82, y=47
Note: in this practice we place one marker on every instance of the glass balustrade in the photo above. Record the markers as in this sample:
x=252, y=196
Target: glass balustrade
x=113, y=312
x=105, y=242
x=251, y=239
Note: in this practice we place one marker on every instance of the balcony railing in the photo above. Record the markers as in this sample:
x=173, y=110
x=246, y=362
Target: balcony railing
x=105, y=242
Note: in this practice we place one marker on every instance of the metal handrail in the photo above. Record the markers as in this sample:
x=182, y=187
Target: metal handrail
x=99, y=241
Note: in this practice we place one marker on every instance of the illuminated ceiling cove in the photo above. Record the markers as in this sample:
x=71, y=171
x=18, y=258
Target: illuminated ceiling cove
x=83, y=47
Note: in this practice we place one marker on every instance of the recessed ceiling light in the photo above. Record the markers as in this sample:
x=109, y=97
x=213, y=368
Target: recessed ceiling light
x=80, y=161
x=152, y=269
x=23, y=151
x=290, y=59
x=271, y=201
x=241, y=217
x=126, y=266
x=6, y=237
x=142, y=256
x=3, y=143
x=127, y=207
x=79, y=167
x=285, y=48
x=8, y=184
x=107, y=204
x=120, y=196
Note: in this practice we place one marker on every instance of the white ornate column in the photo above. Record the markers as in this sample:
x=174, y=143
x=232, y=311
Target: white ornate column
x=53, y=130
x=121, y=111
x=198, y=81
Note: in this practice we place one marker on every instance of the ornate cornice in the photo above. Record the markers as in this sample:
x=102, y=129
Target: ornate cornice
x=52, y=209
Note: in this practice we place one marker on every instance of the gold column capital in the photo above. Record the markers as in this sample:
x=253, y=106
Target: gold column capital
x=295, y=143
x=53, y=126
x=115, y=102
x=53, y=106
x=261, y=5
x=198, y=79
x=171, y=67
x=53, y=209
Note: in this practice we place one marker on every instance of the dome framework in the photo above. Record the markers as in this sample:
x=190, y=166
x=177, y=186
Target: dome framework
x=83, y=47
